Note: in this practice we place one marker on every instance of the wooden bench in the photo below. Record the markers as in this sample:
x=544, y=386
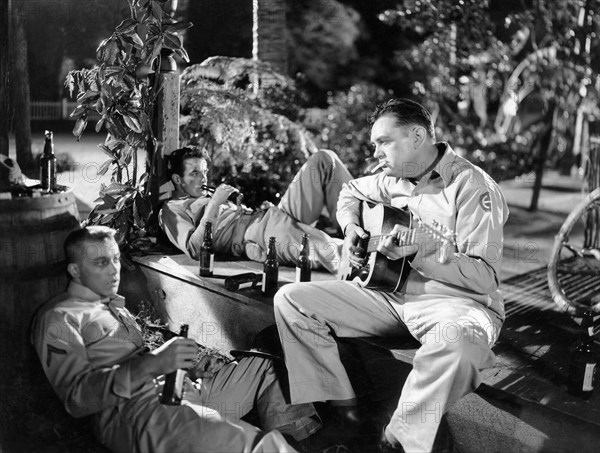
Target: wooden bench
x=521, y=404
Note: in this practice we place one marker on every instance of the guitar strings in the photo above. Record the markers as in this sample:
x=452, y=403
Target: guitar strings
x=413, y=236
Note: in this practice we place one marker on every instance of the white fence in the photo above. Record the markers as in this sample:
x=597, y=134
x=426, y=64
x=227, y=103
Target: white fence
x=56, y=110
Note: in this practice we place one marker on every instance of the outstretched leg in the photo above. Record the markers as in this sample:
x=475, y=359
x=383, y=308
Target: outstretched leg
x=316, y=185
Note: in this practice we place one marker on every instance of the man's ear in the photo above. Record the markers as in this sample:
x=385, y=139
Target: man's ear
x=73, y=270
x=419, y=136
x=176, y=179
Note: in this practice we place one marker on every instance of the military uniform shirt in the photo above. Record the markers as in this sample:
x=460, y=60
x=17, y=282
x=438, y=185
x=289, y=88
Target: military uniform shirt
x=461, y=197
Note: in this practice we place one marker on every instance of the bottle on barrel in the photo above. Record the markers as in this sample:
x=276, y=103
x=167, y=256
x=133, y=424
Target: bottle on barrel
x=207, y=254
x=582, y=368
x=303, y=263
x=270, y=270
x=172, y=392
x=48, y=164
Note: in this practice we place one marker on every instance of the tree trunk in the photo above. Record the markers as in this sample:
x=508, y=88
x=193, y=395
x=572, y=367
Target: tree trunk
x=545, y=142
x=269, y=33
x=21, y=98
x=4, y=77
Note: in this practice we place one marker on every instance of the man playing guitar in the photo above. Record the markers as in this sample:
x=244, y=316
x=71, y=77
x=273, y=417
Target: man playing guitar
x=449, y=300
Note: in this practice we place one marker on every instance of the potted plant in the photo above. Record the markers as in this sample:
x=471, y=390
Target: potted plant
x=122, y=94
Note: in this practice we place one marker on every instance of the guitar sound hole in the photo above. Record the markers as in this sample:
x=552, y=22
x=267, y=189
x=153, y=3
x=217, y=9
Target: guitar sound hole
x=362, y=272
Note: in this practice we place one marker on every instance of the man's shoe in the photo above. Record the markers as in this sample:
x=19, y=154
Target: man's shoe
x=385, y=446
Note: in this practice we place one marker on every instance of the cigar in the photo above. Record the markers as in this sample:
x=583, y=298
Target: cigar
x=378, y=167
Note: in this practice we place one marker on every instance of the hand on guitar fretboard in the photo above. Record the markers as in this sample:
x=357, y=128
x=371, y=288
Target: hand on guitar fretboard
x=382, y=222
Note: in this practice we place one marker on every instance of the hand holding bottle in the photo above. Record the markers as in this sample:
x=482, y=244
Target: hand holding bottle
x=177, y=353
x=222, y=194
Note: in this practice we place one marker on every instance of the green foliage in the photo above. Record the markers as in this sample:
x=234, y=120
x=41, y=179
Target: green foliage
x=322, y=40
x=120, y=93
x=343, y=126
x=490, y=88
x=243, y=113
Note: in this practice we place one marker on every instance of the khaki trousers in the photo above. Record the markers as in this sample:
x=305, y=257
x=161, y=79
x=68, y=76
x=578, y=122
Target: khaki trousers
x=456, y=336
x=317, y=185
x=210, y=420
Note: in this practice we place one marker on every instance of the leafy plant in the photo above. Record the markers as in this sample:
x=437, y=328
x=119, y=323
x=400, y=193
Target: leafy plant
x=119, y=91
x=343, y=126
x=245, y=114
x=494, y=89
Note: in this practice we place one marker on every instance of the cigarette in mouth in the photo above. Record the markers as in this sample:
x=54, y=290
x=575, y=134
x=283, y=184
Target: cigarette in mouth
x=379, y=166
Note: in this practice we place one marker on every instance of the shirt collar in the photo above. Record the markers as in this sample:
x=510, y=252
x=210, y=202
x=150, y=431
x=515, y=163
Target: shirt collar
x=83, y=292
x=180, y=195
x=444, y=168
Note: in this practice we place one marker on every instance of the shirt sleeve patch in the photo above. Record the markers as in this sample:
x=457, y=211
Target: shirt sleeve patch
x=485, y=202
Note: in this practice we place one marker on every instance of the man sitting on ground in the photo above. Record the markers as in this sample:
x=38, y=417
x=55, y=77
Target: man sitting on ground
x=93, y=354
x=243, y=232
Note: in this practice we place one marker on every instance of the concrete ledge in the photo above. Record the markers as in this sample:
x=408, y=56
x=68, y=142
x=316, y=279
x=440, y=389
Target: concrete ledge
x=521, y=405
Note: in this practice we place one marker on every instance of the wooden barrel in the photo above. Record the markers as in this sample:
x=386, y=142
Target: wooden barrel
x=32, y=261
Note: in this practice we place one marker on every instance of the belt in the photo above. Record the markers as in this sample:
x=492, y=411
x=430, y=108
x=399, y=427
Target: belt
x=242, y=224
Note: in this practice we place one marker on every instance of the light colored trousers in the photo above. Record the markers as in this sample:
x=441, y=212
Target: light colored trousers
x=210, y=420
x=317, y=185
x=456, y=336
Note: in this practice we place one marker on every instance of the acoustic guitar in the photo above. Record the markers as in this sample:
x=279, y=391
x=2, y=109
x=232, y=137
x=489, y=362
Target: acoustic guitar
x=379, y=272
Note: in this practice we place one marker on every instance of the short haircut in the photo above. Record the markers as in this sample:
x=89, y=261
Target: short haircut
x=175, y=161
x=405, y=112
x=76, y=240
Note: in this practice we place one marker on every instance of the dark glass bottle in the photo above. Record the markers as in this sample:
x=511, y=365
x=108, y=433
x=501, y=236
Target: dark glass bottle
x=240, y=281
x=270, y=270
x=207, y=254
x=48, y=164
x=235, y=197
x=172, y=392
x=303, y=263
x=582, y=368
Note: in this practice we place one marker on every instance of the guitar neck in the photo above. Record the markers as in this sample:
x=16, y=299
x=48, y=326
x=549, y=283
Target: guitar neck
x=407, y=237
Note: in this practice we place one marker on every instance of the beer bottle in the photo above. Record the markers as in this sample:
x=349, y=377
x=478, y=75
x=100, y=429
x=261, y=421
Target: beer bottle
x=582, y=369
x=240, y=281
x=303, y=263
x=270, y=270
x=172, y=392
x=48, y=164
x=207, y=254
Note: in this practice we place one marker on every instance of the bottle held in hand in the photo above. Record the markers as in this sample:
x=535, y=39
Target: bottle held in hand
x=172, y=392
x=303, y=264
x=270, y=270
x=48, y=164
x=582, y=369
x=207, y=254
x=235, y=197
